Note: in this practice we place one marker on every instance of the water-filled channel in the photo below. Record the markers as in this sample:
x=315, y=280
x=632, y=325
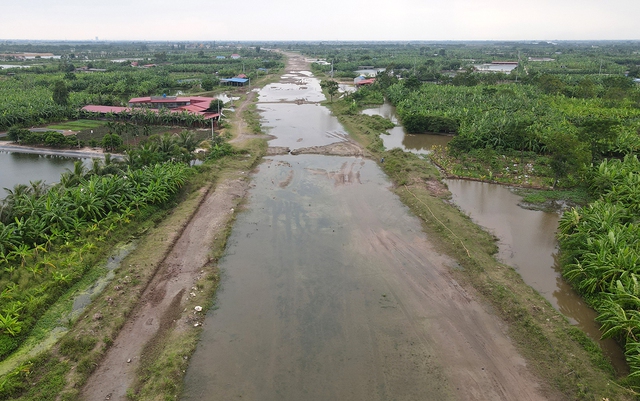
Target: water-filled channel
x=527, y=243
x=397, y=137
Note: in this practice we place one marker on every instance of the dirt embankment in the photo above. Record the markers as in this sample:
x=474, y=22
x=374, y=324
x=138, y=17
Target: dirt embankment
x=162, y=302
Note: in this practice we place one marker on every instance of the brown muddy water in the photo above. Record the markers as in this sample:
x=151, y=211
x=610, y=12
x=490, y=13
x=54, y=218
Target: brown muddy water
x=398, y=138
x=306, y=311
x=527, y=243
x=299, y=126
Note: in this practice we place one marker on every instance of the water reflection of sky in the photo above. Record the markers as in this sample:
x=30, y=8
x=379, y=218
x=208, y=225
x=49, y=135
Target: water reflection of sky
x=302, y=88
x=306, y=125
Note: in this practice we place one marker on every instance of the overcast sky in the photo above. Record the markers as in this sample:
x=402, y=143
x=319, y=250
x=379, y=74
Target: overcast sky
x=208, y=20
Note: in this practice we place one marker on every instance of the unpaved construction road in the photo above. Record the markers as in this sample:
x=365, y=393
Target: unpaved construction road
x=330, y=291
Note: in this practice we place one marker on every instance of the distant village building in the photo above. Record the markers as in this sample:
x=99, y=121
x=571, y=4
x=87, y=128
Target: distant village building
x=362, y=81
x=497, y=66
x=235, y=81
x=174, y=104
x=235, y=56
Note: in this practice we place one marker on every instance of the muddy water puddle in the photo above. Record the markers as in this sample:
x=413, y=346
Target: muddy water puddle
x=527, y=242
x=297, y=88
x=398, y=138
x=298, y=126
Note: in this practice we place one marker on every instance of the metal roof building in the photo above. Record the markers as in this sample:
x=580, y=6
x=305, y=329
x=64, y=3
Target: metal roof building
x=235, y=81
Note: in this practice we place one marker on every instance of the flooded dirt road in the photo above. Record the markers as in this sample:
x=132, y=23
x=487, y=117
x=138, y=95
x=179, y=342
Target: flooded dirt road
x=331, y=291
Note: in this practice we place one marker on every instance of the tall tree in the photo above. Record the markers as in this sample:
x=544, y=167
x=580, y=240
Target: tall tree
x=60, y=93
x=330, y=86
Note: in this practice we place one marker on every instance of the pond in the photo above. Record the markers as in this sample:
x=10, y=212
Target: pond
x=20, y=168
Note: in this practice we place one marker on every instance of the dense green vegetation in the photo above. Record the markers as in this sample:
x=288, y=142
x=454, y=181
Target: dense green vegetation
x=53, y=139
x=51, y=237
x=47, y=235
x=570, y=104
x=601, y=252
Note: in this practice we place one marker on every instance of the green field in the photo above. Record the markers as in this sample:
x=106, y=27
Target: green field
x=78, y=125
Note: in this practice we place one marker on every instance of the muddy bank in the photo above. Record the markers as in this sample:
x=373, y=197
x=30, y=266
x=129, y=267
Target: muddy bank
x=346, y=148
x=160, y=305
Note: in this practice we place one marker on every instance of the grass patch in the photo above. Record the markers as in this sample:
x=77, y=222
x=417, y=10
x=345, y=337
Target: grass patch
x=76, y=347
x=77, y=125
x=506, y=167
x=252, y=118
x=575, y=196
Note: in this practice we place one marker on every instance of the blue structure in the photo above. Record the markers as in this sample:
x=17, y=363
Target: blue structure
x=235, y=81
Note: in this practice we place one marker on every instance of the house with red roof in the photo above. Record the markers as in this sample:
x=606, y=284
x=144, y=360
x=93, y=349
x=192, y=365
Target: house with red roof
x=174, y=104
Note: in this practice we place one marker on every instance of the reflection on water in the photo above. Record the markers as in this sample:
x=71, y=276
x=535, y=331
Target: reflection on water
x=308, y=306
x=20, y=168
x=299, y=87
x=398, y=138
x=306, y=125
x=527, y=242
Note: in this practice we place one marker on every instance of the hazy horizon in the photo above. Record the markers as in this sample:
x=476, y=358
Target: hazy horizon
x=332, y=20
